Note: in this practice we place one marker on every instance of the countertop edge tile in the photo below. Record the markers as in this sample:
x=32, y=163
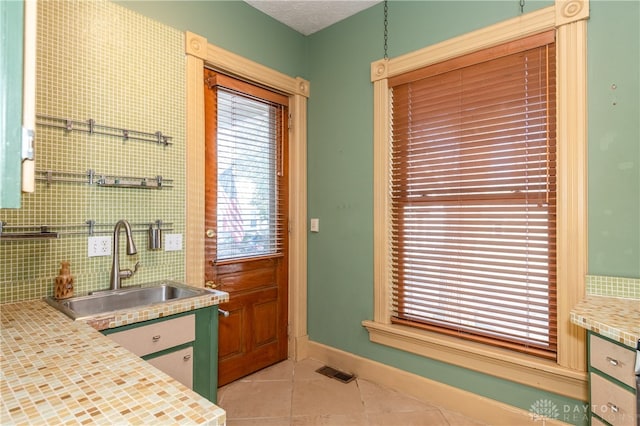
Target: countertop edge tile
x=612, y=317
x=134, y=315
x=122, y=317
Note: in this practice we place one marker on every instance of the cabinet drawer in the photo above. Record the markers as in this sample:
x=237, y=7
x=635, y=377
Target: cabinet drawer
x=612, y=402
x=597, y=422
x=157, y=336
x=178, y=364
x=614, y=360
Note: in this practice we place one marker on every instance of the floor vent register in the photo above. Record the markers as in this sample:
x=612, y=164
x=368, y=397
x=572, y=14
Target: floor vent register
x=335, y=374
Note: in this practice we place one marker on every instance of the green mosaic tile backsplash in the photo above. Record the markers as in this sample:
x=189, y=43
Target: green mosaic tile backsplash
x=101, y=61
x=628, y=288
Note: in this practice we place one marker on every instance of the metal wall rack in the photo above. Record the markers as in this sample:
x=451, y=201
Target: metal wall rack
x=90, y=126
x=93, y=178
x=34, y=232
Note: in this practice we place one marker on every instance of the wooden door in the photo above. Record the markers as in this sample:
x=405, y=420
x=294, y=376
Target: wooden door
x=246, y=221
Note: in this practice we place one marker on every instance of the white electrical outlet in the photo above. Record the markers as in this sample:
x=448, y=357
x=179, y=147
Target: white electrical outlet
x=172, y=242
x=99, y=246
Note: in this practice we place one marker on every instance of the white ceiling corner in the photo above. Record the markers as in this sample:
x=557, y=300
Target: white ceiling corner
x=309, y=16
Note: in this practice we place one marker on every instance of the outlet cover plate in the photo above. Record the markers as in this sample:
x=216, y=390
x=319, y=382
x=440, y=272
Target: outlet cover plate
x=99, y=246
x=172, y=242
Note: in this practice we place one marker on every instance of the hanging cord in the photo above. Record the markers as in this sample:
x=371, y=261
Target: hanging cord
x=521, y=6
x=386, y=29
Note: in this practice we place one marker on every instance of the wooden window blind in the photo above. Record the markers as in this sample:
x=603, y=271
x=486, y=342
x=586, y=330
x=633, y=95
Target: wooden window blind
x=251, y=187
x=473, y=196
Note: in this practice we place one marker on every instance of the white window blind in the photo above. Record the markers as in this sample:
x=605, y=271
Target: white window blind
x=249, y=163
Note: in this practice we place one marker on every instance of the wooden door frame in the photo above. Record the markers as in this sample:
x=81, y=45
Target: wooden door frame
x=198, y=54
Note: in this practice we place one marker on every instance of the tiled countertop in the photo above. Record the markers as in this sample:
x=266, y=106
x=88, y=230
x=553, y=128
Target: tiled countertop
x=615, y=318
x=54, y=370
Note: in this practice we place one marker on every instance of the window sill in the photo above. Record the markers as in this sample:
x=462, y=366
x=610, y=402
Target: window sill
x=520, y=368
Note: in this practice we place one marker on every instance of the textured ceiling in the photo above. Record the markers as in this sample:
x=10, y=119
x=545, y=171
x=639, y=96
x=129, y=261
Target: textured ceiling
x=309, y=16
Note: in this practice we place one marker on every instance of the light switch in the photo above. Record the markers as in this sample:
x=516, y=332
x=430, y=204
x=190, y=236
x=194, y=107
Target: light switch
x=172, y=242
x=315, y=224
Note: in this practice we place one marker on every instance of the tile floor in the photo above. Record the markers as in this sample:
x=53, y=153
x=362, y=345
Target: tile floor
x=293, y=394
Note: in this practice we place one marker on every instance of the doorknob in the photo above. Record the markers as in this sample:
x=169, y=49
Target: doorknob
x=210, y=284
x=210, y=233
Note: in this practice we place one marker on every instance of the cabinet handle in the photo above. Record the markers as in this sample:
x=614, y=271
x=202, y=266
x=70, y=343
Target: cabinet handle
x=223, y=313
x=613, y=407
x=186, y=357
x=612, y=361
x=156, y=338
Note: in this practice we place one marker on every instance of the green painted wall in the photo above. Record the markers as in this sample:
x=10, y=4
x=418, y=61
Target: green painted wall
x=11, y=28
x=340, y=152
x=234, y=26
x=614, y=138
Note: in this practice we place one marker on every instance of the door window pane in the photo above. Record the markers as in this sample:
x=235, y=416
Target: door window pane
x=247, y=153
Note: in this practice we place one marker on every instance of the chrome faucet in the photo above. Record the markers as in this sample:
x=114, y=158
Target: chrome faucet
x=116, y=273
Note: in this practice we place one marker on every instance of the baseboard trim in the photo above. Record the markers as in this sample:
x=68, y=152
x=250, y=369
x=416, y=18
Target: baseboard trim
x=475, y=406
x=298, y=347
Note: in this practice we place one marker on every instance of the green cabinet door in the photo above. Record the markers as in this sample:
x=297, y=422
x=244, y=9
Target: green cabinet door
x=205, y=348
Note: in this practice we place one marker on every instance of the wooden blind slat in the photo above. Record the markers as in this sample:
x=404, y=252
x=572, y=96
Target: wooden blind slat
x=508, y=286
x=466, y=306
x=442, y=244
x=473, y=196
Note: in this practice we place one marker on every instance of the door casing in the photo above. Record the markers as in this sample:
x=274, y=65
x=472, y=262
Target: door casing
x=198, y=54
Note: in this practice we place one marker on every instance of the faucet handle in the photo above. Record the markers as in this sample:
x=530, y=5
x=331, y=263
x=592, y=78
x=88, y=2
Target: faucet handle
x=128, y=273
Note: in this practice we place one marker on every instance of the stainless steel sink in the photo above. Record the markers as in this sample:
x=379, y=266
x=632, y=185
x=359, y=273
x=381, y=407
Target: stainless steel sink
x=125, y=298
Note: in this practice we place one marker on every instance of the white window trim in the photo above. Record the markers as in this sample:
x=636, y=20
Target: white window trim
x=198, y=54
x=567, y=376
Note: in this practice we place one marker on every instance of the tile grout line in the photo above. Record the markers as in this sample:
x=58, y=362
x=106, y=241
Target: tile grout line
x=365, y=414
x=293, y=384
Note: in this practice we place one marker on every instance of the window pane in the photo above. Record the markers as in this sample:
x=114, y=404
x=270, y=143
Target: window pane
x=247, y=172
